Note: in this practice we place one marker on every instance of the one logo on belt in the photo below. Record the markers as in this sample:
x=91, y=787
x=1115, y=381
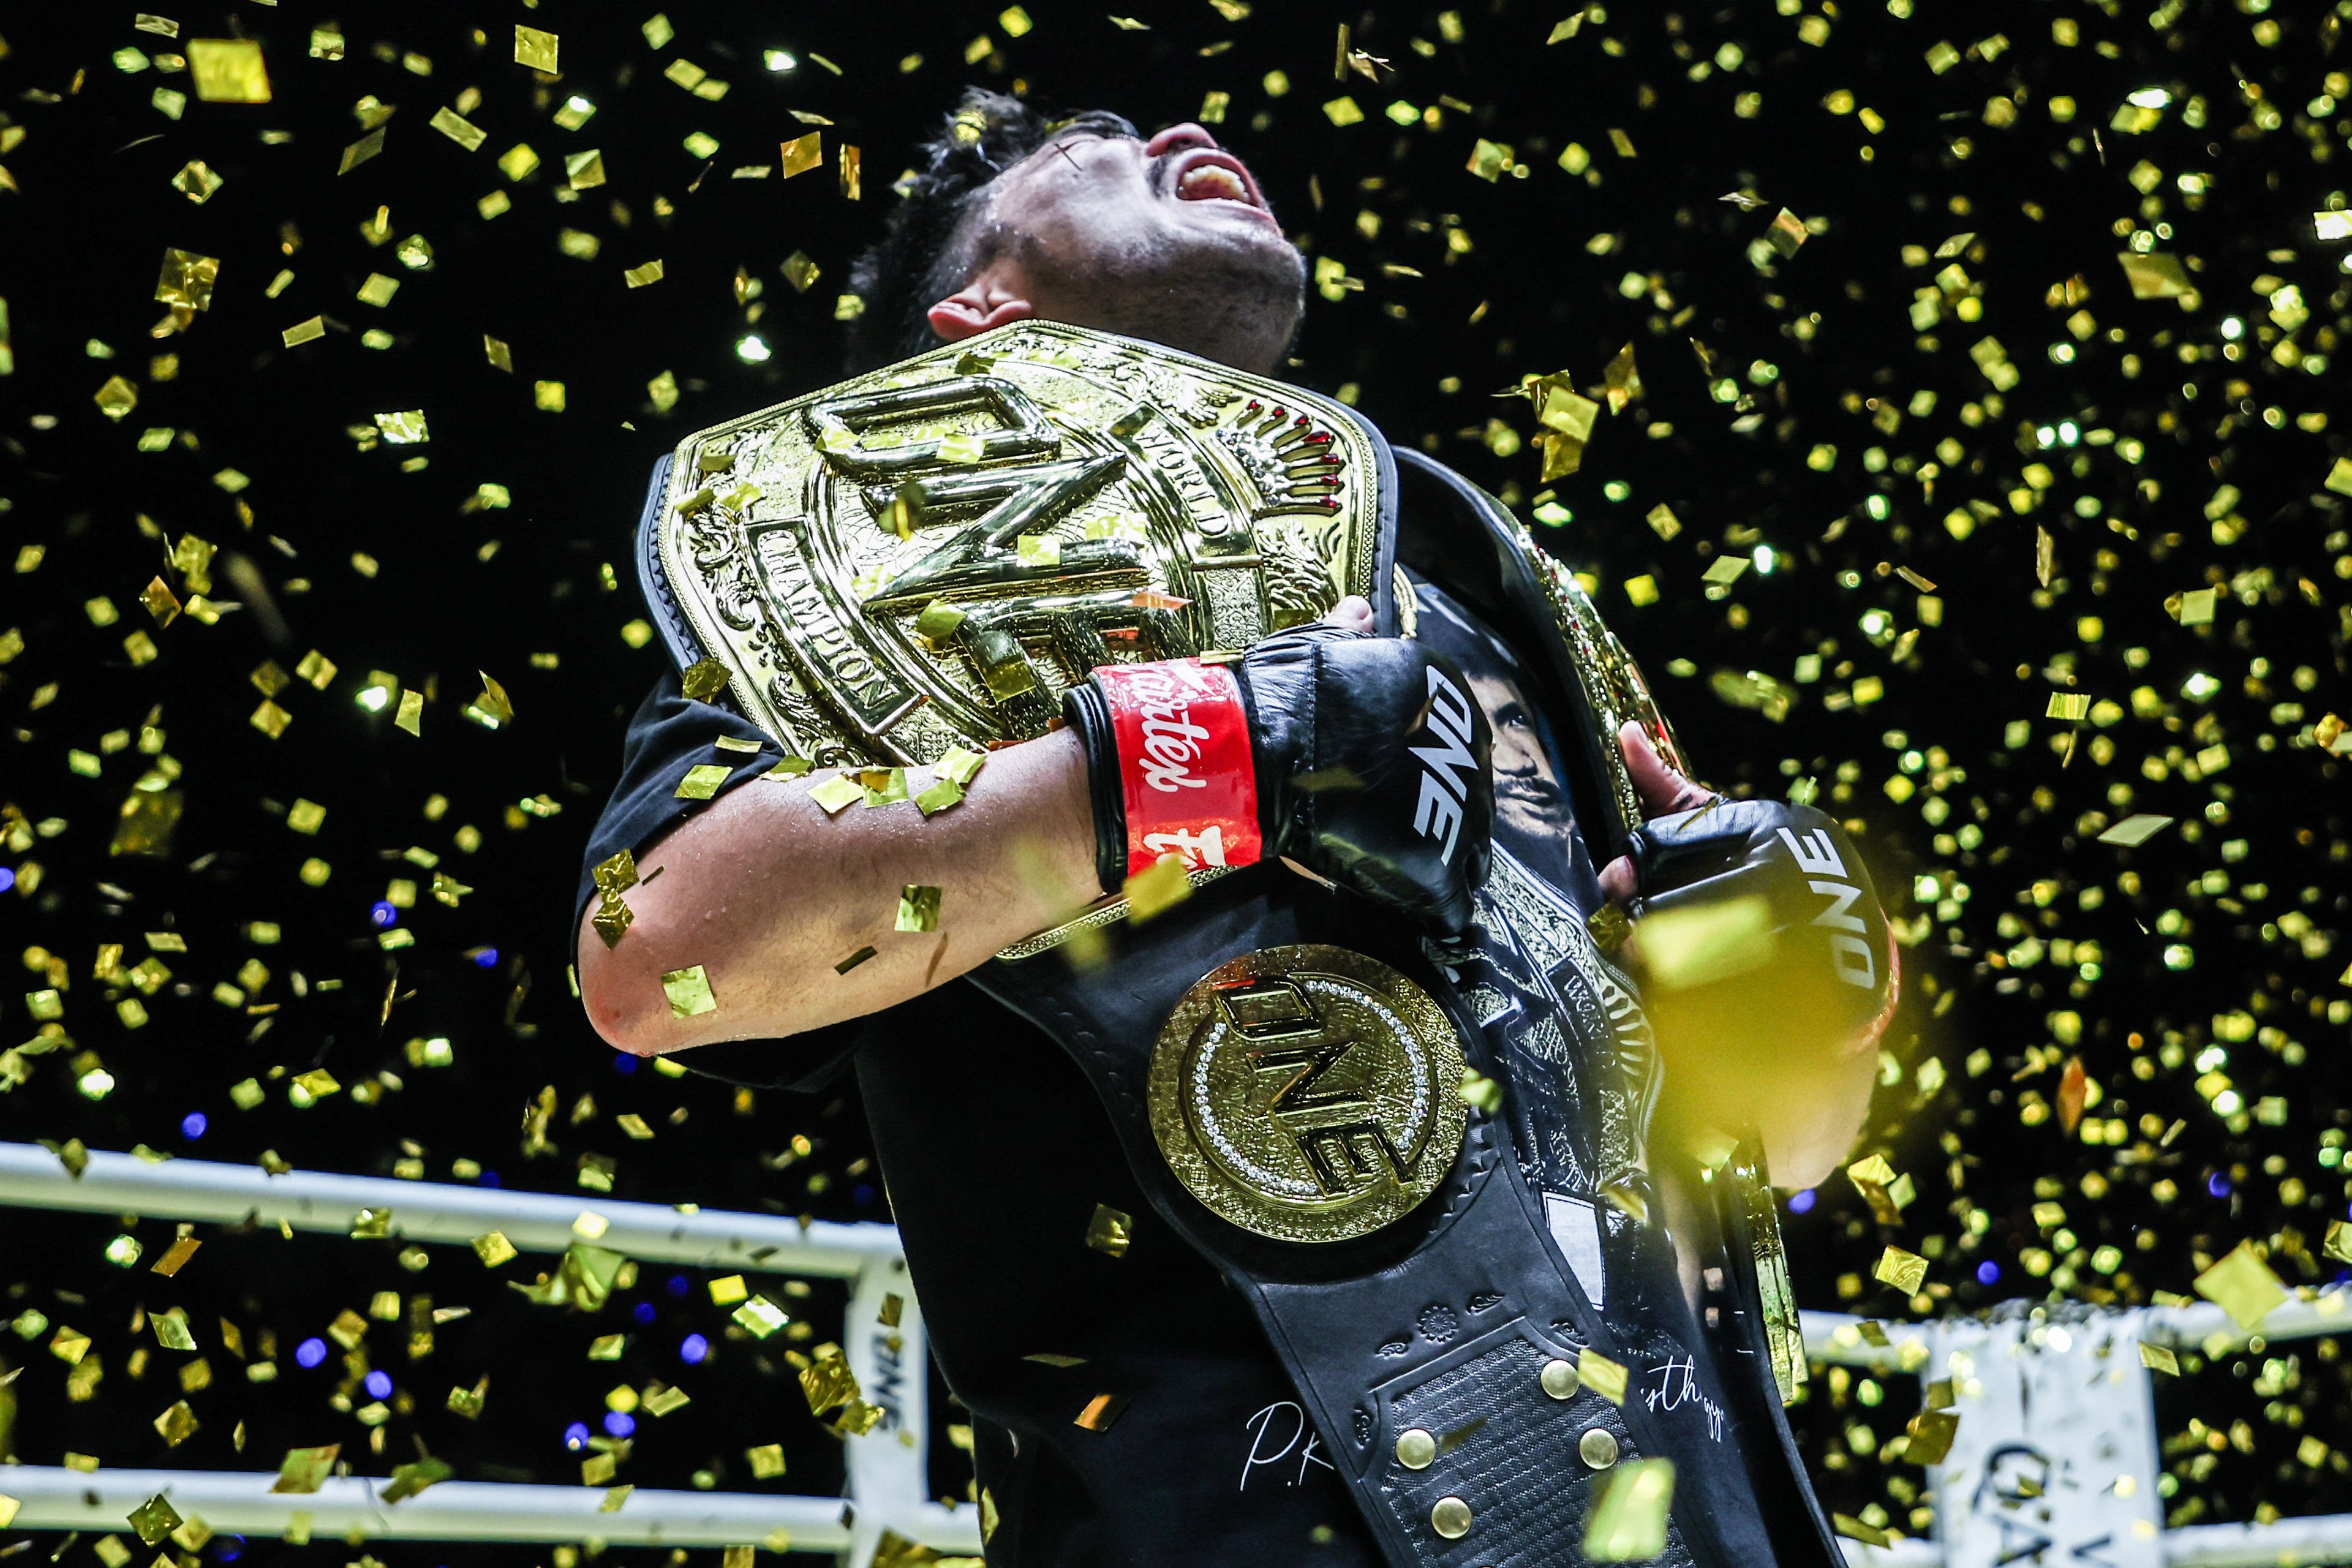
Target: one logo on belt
x=1817, y=856
x=1344, y=1147
x=1307, y=1093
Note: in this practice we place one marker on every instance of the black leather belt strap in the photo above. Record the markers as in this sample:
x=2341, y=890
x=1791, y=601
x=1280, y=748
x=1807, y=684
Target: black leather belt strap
x=1443, y=1322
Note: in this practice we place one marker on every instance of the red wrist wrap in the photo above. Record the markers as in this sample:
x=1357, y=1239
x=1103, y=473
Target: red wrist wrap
x=1184, y=764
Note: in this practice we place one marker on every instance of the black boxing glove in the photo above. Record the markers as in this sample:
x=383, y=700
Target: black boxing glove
x=1822, y=947
x=1363, y=759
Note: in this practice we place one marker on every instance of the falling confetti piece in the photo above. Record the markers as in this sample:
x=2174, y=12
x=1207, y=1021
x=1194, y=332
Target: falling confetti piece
x=688, y=991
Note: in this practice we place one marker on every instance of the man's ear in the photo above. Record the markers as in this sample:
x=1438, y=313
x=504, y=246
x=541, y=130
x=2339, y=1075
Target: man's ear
x=988, y=300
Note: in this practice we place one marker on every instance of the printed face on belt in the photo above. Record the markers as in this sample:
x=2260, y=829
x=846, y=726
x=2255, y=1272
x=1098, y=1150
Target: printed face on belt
x=1528, y=798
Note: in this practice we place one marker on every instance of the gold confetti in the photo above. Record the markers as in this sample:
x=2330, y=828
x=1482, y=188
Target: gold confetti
x=155, y=1519
x=1628, y=1519
x=117, y=397
x=228, y=70
x=177, y=1424
x=1110, y=1230
x=758, y=1317
x=493, y=1248
x=853, y=960
x=175, y=1257
x=535, y=48
x=458, y=129
x=827, y=1382
x=1156, y=888
x=704, y=679
x=2073, y=1088
x=1685, y=948
x=1787, y=234
x=918, y=909
x=1886, y=1193
x=688, y=991
x=639, y=277
x=1931, y=1433
x=701, y=780
x=1601, y=1375
x=361, y=151
x=2155, y=276
x=836, y=791
x=1100, y=1410
x=2135, y=829
x=2159, y=1357
x=1906, y=1272
x=2242, y=1285
x=803, y=153
x=187, y=279
x=1853, y=1528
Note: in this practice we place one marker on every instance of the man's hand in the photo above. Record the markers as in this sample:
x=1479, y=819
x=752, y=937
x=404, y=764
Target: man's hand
x=1662, y=791
x=1770, y=973
x=1362, y=759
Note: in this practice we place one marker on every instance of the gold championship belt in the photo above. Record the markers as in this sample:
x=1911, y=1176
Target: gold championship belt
x=1307, y=1093
x=924, y=557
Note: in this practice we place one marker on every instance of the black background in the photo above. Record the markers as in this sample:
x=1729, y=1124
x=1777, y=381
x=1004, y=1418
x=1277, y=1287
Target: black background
x=1539, y=262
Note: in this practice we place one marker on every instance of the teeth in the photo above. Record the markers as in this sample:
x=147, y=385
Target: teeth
x=1210, y=182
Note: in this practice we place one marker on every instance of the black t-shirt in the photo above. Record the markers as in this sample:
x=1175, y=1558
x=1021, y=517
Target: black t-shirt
x=994, y=1153
x=1583, y=1074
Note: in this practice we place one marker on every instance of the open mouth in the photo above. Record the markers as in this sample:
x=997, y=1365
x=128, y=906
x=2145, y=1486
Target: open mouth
x=1206, y=175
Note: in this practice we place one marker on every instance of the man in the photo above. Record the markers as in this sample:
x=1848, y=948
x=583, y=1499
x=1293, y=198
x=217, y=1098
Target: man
x=1438, y=1353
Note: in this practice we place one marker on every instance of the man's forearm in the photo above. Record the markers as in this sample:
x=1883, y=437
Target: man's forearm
x=768, y=895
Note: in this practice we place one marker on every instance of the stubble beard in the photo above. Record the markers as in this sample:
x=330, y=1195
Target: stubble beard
x=1236, y=303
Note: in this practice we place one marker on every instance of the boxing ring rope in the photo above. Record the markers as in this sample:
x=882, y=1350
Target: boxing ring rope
x=2001, y=1369
x=887, y=1479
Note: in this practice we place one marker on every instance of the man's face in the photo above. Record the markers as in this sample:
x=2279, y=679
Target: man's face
x=1527, y=796
x=1167, y=238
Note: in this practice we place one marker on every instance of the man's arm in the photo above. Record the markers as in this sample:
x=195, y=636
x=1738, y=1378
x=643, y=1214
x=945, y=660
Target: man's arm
x=768, y=895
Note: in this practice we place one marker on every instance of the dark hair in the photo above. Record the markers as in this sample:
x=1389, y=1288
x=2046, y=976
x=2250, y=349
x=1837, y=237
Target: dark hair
x=924, y=253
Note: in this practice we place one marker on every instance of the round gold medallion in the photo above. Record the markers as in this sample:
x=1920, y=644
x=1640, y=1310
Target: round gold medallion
x=1307, y=1093
x=1561, y=1379
x=1415, y=1449
x=1450, y=1518
x=1598, y=1447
